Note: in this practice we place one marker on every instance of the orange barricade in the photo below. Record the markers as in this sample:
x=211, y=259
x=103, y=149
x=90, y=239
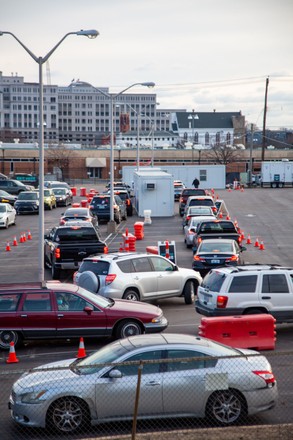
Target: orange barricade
x=245, y=331
x=74, y=191
x=139, y=230
x=132, y=240
x=83, y=203
x=82, y=192
x=152, y=250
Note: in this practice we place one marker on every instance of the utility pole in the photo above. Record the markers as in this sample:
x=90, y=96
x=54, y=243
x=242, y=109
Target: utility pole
x=264, y=122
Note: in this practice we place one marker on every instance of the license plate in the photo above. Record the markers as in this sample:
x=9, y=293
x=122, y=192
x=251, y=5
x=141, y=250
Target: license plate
x=215, y=261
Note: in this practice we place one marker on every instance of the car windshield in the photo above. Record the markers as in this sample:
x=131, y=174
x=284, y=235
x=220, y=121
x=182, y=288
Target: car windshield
x=59, y=191
x=207, y=246
x=47, y=193
x=28, y=196
x=96, y=362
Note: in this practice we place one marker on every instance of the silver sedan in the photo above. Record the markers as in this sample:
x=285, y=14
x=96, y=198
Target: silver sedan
x=189, y=229
x=181, y=376
x=7, y=215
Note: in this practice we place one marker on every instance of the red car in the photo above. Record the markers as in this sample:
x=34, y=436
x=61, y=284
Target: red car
x=59, y=310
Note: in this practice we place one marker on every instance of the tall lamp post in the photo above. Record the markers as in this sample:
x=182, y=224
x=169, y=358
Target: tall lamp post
x=40, y=61
x=191, y=118
x=112, y=99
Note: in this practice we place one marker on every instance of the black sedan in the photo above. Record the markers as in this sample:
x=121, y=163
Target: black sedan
x=5, y=197
x=217, y=252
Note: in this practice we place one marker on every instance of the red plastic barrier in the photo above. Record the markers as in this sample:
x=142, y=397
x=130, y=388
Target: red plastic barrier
x=74, y=190
x=139, y=230
x=246, y=331
x=75, y=205
x=152, y=250
x=82, y=192
x=83, y=203
x=132, y=240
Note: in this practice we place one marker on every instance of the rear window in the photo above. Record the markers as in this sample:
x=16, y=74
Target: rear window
x=215, y=227
x=9, y=302
x=76, y=234
x=193, y=192
x=101, y=201
x=98, y=267
x=201, y=202
x=214, y=281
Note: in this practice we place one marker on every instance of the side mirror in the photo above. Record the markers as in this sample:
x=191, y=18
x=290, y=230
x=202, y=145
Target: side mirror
x=88, y=310
x=115, y=374
x=243, y=248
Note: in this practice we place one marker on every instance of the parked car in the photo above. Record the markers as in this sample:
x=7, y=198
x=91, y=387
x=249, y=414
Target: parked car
x=229, y=384
x=245, y=290
x=84, y=214
x=5, y=197
x=140, y=277
x=212, y=254
x=7, y=215
x=27, y=203
x=196, y=211
x=190, y=228
x=49, y=199
x=56, y=184
x=125, y=197
x=83, y=314
x=200, y=201
x=100, y=206
x=14, y=187
x=63, y=196
x=187, y=192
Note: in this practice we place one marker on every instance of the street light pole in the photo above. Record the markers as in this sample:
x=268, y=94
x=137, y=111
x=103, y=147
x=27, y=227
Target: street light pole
x=40, y=61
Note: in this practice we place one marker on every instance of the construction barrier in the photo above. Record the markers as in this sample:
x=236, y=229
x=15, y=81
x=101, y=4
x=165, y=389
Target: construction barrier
x=74, y=190
x=75, y=205
x=152, y=250
x=82, y=192
x=126, y=240
x=132, y=240
x=245, y=331
x=83, y=203
x=139, y=230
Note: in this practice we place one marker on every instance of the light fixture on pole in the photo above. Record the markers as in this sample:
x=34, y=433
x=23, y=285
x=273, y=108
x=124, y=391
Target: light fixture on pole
x=112, y=98
x=40, y=61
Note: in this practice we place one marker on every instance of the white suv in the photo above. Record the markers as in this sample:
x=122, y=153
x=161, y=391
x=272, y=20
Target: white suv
x=140, y=277
x=245, y=290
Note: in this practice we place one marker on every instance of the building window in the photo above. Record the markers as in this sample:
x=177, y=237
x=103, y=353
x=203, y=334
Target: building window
x=207, y=139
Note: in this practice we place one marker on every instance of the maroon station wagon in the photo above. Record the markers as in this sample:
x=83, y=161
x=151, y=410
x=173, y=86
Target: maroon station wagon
x=60, y=310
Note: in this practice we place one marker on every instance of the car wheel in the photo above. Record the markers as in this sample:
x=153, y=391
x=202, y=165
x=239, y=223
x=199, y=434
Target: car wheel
x=55, y=272
x=118, y=218
x=8, y=336
x=226, y=407
x=189, y=291
x=125, y=216
x=254, y=311
x=68, y=414
x=131, y=295
x=128, y=328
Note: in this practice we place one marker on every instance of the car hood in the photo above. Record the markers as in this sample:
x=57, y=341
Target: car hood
x=135, y=308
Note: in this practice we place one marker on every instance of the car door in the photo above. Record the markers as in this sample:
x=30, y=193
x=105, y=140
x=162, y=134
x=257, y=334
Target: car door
x=144, y=277
x=74, y=321
x=277, y=294
x=185, y=382
x=37, y=316
x=116, y=398
x=169, y=280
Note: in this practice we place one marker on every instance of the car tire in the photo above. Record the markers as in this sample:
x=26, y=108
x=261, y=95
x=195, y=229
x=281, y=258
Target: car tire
x=189, y=291
x=125, y=216
x=118, y=219
x=131, y=295
x=226, y=407
x=68, y=414
x=128, y=328
x=8, y=336
x=254, y=311
x=55, y=272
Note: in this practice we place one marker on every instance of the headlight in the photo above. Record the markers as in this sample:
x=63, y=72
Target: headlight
x=158, y=319
x=33, y=397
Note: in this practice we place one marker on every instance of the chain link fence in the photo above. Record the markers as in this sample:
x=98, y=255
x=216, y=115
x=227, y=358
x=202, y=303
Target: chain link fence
x=159, y=398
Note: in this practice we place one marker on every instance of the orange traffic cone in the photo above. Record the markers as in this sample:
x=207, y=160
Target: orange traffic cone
x=248, y=240
x=261, y=246
x=235, y=223
x=106, y=249
x=221, y=214
x=242, y=235
x=21, y=239
x=167, y=255
x=12, y=355
x=126, y=243
x=15, y=242
x=29, y=235
x=256, y=244
x=228, y=217
x=8, y=248
x=24, y=237
x=81, y=350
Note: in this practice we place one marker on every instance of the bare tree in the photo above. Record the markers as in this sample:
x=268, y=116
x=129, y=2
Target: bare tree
x=223, y=154
x=60, y=157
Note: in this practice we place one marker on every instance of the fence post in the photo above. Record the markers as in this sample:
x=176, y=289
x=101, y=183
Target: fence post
x=140, y=367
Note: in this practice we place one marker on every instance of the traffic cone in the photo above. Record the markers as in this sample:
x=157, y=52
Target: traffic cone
x=256, y=244
x=228, y=217
x=261, y=246
x=24, y=237
x=81, y=350
x=106, y=249
x=29, y=235
x=221, y=214
x=126, y=244
x=121, y=247
x=8, y=248
x=248, y=240
x=242, y=235
x=167, y=255
x=15, y=242
x=21, y=239
x=12, y=355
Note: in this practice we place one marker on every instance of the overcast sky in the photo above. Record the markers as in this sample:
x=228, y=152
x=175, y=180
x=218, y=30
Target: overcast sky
x=202, y=54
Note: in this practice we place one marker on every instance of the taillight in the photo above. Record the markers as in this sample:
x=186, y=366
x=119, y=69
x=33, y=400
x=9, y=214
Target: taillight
x=57, y=253
x=62, y=222
x=267, y=376
x=199, y=240
x=188, y=218
x=222, y=301
x=198, y=258
x=233, y=258
x=110, y=278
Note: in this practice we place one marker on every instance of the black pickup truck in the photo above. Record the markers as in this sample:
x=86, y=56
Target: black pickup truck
x=66, y=246
x=216, y=229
